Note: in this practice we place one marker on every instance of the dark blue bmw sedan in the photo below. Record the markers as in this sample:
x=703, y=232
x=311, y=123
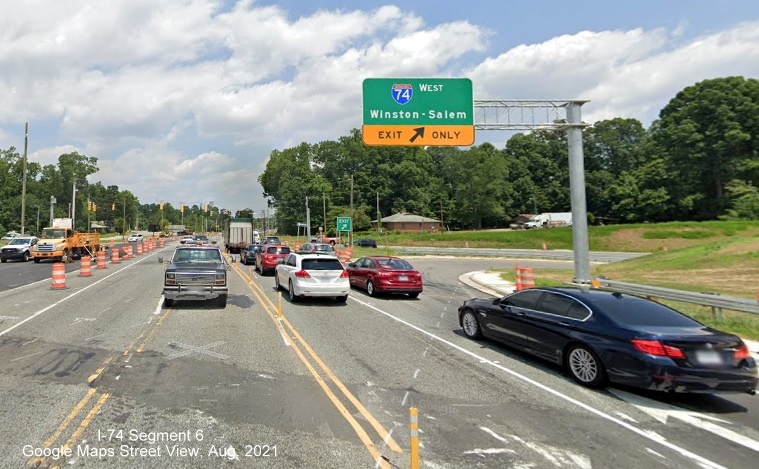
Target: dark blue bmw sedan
x=603, y=337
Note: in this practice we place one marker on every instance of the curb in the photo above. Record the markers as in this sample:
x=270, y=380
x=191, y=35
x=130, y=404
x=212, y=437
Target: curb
x=492, y=284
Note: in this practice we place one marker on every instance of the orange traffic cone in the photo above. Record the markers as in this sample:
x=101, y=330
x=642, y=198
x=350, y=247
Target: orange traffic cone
x=519, y=278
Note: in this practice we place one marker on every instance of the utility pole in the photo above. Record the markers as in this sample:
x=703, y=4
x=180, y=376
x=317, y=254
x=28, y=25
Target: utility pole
x=38, y=220
x=350, y=234
x=73, y=204
x=52, y=214
x=324, y=209
x=379, y=216
x=124, y=221
x=23, y=181
x=308, y=221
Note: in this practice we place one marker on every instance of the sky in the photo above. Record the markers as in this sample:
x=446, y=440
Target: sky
x=184, y=100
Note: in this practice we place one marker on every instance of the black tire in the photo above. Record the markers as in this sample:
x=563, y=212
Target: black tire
x=67, y=258
x=26, y=256
x=277, y=286
x=370, y=288
x=168, y=302
x=332, y=243
x=291, y=293
x=341, y=299
x=3, y=260
x=585, y=367
x=413, y=295
x=221, y=300
x=36, y=260
x=471, y=325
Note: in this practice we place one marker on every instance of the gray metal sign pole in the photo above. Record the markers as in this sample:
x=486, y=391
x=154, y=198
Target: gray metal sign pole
x=549, y=114
x=580, y=241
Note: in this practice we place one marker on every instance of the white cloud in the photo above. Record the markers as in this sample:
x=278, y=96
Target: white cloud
x=179, y=100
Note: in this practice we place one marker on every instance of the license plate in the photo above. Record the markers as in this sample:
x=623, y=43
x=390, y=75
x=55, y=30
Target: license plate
x=403, y=278
x=708, y=357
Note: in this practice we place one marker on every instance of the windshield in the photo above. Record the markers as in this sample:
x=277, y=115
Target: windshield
x=20, y=241
x=54, y=233
x=197, y=255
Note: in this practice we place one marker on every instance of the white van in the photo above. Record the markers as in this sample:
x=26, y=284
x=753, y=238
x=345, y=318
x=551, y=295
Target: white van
x=256, y=237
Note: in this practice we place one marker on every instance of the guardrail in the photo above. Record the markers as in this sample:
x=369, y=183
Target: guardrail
x=716, y=302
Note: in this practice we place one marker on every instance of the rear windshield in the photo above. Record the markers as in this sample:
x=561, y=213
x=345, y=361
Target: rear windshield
x=632, y=311
x=278, y=249
x=398, y=264
x=321, y=264
x=197, y=255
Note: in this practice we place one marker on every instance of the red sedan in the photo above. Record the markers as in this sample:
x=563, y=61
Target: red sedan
x=266, y=259
x=378, y=274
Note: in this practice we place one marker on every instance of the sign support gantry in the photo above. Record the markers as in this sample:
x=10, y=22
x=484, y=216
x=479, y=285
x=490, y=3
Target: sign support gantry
x=549, y=114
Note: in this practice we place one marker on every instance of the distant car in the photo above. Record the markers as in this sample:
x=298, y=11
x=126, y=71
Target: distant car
x=266, y=260
x=317, y=248
x=385, y=274
x=365, y=243
x=196, y=273
x=136, y=237
x=201, y=239
x=312, y=275
x=602, y=337
x=248, y=253
x=10, y=235
x=272, y=240
x=19, y=247
x=188, y=239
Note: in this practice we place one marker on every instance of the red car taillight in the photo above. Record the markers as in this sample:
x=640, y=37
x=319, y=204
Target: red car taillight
x=742, y=352
x=654, y=347
x=344, y=274
x=302, y=274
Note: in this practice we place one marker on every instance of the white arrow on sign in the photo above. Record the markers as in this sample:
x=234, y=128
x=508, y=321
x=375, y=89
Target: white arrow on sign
x=661, y=412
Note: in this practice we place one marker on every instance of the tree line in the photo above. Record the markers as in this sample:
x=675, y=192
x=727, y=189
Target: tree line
x=698, y=161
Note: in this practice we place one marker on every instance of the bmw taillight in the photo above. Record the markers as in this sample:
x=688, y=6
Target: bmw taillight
x=344, y=274
x=302, y=274
x=741, y=353
x=654, y=347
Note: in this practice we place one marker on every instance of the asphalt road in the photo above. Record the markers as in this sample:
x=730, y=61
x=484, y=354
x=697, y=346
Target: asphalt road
x=103, y=371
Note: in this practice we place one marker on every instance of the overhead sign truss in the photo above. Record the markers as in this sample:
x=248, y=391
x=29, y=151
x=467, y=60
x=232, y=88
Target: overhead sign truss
x=524, y=114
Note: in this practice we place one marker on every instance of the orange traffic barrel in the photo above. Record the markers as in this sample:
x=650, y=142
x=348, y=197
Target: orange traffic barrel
x=519, y=278
x=84, y=270
x=59, y=275
x=101, y=259
x=139, y=249
x=297, y=246
x=163, y=243
x=115, y=256
x=528, y=278
x=112, y=243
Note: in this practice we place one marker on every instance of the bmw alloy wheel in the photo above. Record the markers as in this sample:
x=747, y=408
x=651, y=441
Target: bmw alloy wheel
x=471, y=325
x=585, y=366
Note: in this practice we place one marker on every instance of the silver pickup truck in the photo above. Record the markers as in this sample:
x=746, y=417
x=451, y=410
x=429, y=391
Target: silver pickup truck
x=196, y=273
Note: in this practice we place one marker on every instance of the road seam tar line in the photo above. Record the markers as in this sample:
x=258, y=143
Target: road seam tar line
x=648, y=435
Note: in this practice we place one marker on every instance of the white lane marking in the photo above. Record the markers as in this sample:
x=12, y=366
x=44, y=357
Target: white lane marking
x=405, y=396
x=33, y=340
x=416, y=373
x=494, y=435
x=662, y=411
x=21, y=358
x=479, y=451
x=159, y=306
x=48, y=308
x=645, y=434
x=655, y=453
x=557, y=456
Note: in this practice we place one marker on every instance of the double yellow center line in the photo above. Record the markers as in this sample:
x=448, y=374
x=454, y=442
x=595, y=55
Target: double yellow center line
x=299, y=345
